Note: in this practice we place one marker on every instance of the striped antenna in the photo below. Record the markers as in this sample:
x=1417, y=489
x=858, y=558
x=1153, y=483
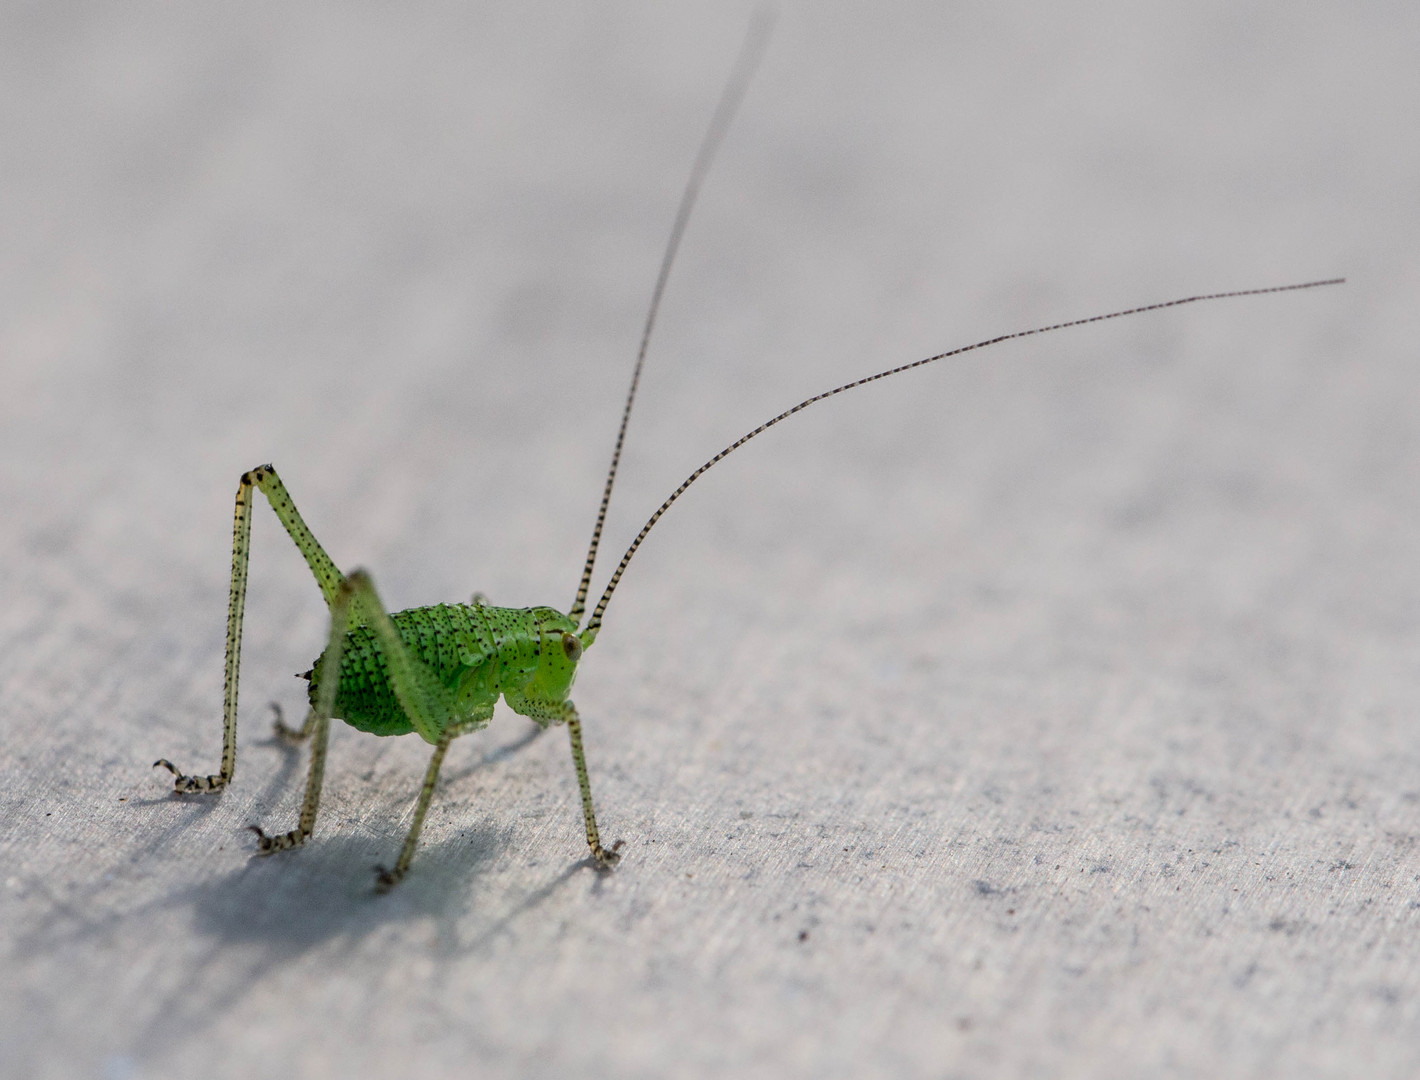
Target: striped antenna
x=751, y=52
x=595, y=621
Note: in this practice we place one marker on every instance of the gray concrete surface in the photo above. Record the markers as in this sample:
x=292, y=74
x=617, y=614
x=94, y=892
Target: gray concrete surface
x=1049, y=714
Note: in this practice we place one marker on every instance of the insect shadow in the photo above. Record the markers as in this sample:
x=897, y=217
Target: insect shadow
x=268, y=914
x=297, y=904
x=301, y=903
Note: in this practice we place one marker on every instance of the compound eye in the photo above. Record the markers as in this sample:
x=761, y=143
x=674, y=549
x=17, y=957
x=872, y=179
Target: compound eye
x=572, y=646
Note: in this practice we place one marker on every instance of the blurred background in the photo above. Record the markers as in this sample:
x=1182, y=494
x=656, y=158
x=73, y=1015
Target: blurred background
x=1046, y=712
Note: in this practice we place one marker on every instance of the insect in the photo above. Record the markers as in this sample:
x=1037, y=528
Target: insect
x=438, y=671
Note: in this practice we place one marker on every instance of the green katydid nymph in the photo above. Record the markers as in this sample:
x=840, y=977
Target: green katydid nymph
x=439, y=671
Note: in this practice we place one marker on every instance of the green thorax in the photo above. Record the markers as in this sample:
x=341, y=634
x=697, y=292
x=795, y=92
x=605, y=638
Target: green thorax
x=475, y=651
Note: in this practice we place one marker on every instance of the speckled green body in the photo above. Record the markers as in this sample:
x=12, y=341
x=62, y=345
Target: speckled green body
x=434, y=671
x=475, y=651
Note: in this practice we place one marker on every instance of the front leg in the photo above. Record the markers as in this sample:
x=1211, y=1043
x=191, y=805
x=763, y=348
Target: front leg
x=604, y=858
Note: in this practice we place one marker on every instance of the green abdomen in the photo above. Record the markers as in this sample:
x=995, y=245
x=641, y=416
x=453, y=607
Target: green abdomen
x=477, y=653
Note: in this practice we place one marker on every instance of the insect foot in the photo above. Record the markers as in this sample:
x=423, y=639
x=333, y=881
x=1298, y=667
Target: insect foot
x=184, y=784
x=265, y=845
x=385, y=880
x=607, y=860
x=283, y=732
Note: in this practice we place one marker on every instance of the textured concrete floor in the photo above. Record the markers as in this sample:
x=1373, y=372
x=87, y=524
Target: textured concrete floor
x=1047, y=714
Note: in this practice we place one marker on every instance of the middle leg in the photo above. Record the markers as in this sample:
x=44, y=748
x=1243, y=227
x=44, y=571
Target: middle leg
x=385, y=880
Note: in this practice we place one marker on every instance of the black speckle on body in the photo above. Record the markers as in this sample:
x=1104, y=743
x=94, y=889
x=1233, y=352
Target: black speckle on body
x=457, y=642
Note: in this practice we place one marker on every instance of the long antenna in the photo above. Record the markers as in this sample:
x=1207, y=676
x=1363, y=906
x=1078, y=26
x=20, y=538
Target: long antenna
x=596, y=620
x=750, y=54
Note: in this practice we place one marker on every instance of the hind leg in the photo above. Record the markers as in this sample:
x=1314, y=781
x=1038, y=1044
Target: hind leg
x=427, y=704
x=327, y=577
